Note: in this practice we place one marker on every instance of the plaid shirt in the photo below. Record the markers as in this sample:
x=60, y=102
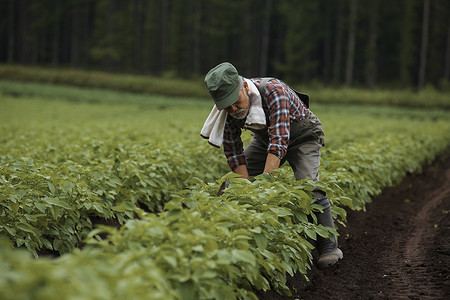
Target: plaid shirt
x=281, y=106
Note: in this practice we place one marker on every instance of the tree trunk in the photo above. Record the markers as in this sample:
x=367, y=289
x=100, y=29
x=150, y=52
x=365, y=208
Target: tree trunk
x=11, y=32
x=164, y=35
x=149, y=53
x=338, y=44
x=265, y=38
x=138, y=8
x=327, y=43
x=109, y=32
x=197, y=6
x=24, y=36
x=371, y=58
x=447, y=56
x=86, y=33
x=248, y=54
x=424, y=44
x=33, y=36
x=351, y=45
x=56, y=35
x=75, y=37
x=406, y=44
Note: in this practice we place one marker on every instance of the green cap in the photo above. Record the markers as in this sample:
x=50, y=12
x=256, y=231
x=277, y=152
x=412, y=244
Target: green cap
x=222, y=82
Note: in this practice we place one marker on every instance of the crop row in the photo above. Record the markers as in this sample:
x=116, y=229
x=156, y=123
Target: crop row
x=66, y=166
x=205, y=246
x=50, y=206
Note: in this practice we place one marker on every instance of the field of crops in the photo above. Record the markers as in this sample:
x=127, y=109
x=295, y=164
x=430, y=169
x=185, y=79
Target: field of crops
x=73, y=160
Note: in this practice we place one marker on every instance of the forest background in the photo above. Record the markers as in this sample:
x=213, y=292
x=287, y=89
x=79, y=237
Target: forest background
x=359, y=43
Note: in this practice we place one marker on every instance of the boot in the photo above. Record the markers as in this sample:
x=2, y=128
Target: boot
x=329, y=253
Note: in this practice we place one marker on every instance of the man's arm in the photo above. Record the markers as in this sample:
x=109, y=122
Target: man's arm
x=242, y=170
x=279, y=105
x=272, y=163
x=233, y=146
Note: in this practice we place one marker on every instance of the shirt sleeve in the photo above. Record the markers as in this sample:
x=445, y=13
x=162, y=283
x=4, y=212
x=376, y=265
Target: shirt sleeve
x=232, y=144
x=279, y=117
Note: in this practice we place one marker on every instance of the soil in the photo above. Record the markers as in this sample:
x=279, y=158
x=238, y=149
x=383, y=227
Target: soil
x=399, y=248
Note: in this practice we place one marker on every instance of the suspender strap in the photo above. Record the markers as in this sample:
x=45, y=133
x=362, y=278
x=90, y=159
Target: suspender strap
x=262, y=87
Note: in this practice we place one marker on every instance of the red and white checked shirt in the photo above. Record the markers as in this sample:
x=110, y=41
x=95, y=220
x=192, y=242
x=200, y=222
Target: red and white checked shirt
x=282, y=106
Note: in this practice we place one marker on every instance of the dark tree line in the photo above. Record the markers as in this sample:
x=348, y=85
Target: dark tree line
x=399, y=43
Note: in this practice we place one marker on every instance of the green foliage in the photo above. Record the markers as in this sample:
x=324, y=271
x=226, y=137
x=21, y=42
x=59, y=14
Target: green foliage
x=357, y=172
x=427, y=98
x=263, y=217
x=86, y=275
x=28, y=81
x=103, y=80
x=301, y=40
x=55, y=177
x=96, y=95
x=304, y=40
x=64, y=165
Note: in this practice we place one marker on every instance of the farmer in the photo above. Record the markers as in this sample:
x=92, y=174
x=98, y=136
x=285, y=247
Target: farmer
x=283, y=127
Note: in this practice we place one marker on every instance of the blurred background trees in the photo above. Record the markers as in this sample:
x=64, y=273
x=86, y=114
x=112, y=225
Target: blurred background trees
x=369, y=43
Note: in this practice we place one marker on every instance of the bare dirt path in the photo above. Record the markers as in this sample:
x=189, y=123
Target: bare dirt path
x=398, y=249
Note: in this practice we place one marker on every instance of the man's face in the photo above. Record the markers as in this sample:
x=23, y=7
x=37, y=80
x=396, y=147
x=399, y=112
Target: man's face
x=240, y=108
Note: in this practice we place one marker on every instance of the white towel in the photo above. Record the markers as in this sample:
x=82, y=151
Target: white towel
x=256, y=118
x=215, y=123
x=213, y=128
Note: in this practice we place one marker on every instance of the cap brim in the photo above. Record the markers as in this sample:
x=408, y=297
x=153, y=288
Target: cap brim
x=228, y=100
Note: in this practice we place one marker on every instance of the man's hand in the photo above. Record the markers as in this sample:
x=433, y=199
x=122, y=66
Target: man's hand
x=242, y=170
x=272, y=163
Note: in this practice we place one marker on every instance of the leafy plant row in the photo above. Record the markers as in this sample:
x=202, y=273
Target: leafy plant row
x=58, y=178
x=358, y=172
x=51, y=206
x=64, y=166
x=206, y=246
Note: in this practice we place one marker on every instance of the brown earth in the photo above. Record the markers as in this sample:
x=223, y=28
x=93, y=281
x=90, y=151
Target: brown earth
x=398, y=249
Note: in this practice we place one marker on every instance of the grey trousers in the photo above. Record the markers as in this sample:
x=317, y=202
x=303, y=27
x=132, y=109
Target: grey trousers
x=303, y=155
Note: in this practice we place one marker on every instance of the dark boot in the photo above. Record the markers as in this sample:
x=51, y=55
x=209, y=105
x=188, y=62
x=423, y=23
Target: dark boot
x=329, y=253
